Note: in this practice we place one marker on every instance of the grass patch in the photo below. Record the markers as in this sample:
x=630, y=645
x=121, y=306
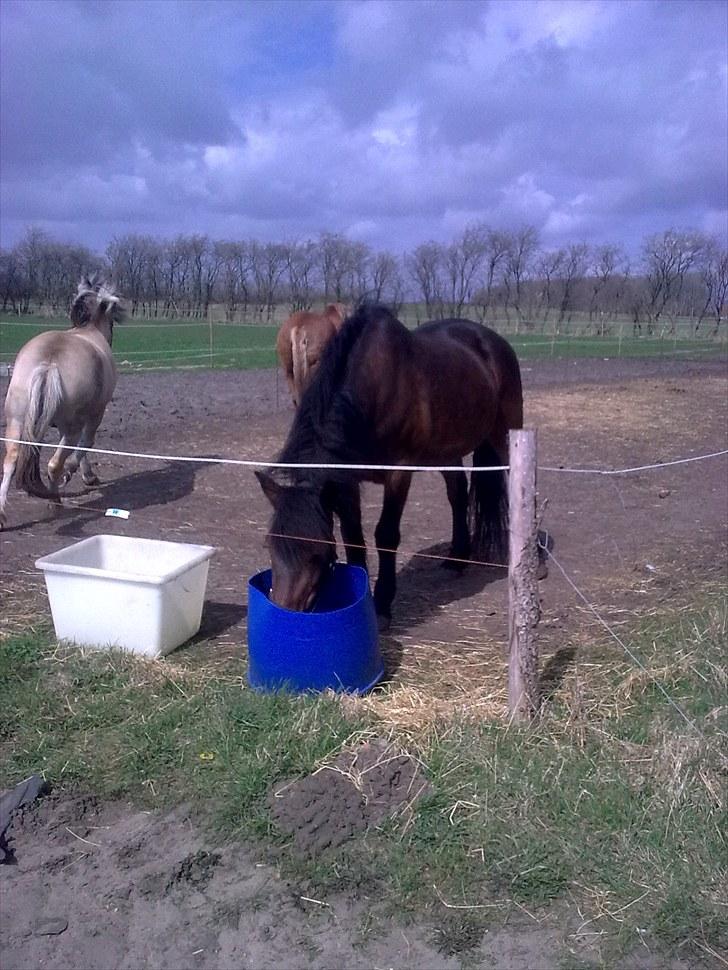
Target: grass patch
x=173, y=344
x=183, y=344
x=120, y=725
x=613, y=801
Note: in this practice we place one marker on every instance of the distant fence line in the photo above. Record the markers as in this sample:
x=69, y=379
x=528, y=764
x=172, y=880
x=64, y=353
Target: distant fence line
x=412, y=314
x=160, y=345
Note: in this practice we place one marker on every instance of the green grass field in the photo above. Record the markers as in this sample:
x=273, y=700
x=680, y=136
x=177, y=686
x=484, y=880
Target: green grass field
x=176, y=344
x=152, y=345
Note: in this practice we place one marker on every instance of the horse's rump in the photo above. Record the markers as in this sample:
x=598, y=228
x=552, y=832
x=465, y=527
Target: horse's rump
x=302, y=340
x=299, y=358
x=45, y=397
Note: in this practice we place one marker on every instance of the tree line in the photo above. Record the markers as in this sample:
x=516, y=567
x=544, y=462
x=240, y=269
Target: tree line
x=487, y=272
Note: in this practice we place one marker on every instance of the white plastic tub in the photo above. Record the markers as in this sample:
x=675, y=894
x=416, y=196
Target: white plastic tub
x=143, y=595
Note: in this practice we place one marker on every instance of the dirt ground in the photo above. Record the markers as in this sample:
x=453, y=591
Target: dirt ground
x=148, y=891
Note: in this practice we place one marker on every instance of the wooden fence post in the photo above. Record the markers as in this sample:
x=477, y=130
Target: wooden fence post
x=523, y=603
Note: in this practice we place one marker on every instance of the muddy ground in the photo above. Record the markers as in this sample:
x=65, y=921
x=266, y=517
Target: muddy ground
x=149, y=891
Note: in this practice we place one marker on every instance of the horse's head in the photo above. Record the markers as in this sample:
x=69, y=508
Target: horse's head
x=301, y=541
x=96, y=305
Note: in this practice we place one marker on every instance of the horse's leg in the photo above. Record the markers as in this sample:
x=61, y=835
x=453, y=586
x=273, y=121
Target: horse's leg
x=457, y=494
x=387, y=535
x=348, y=508
x=56, y=465
x=13, y=430
x=88, y=436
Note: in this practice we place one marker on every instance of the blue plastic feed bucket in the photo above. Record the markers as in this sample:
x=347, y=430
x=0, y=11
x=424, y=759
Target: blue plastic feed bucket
x=334, y=646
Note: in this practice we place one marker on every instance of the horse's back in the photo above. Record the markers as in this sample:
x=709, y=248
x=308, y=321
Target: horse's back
x=438, y=390
x=479, y=338
x=494, y=352
x=84, y=362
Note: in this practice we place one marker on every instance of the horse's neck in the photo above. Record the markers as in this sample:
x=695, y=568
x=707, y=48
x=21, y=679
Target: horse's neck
x=100, y=334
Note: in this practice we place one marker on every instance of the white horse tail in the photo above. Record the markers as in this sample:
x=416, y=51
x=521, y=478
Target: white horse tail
x=44, y=399
x=299, y=356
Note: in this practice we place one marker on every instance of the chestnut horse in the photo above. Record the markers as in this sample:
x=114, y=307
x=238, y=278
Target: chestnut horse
x=386, y=395
x=301, y=341
x=61, y=379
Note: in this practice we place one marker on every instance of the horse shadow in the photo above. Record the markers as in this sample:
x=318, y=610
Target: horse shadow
x=138, y=490
x=424, y=586
x=392, y=651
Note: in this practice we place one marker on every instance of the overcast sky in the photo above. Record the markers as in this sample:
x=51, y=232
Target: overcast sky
x=390, y=121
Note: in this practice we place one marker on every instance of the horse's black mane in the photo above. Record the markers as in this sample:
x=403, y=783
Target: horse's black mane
x=330, y=425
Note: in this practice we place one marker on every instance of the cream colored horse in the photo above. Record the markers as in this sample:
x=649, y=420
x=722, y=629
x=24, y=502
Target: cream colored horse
x=301, y=341
x=61, y=379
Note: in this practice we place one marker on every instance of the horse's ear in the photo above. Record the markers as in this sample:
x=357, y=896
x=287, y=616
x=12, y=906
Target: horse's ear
x=109, y=305
x=271, y=489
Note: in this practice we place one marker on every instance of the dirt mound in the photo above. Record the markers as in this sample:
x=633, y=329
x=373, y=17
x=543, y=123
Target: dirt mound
x=360, y=789
x=55, y=815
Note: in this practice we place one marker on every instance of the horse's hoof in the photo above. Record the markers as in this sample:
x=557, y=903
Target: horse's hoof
x=92, y=482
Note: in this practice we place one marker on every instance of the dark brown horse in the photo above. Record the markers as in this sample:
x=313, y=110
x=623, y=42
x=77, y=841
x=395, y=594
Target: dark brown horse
x=301, y=342
x=384, y=395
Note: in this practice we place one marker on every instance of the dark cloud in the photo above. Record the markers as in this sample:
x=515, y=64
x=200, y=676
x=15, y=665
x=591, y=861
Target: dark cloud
x=391, y=120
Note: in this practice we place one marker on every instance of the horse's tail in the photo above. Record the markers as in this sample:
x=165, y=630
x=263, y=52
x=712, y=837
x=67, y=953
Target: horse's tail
x=299, y=359
x=45, y=394
x=488, y=507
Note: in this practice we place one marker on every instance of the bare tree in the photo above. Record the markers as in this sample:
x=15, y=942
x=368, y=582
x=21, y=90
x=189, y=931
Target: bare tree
x=153, y=285
x=301, y=268
x=497, y=245
x=205, y=260
x=11, y=280
x=518, y=263
x=667, y=258
x=607, y=263
x=126, y=256
x=576, y=261
x=386, y=280
x=332, y=249
x=344, y=267
x=268, y=264
x=548, y=267
x=463, y=260
x=356, y=262
x=31, y=256
x=426, y=268
x=714, y=277
x=235, y=276
x=173, y=270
